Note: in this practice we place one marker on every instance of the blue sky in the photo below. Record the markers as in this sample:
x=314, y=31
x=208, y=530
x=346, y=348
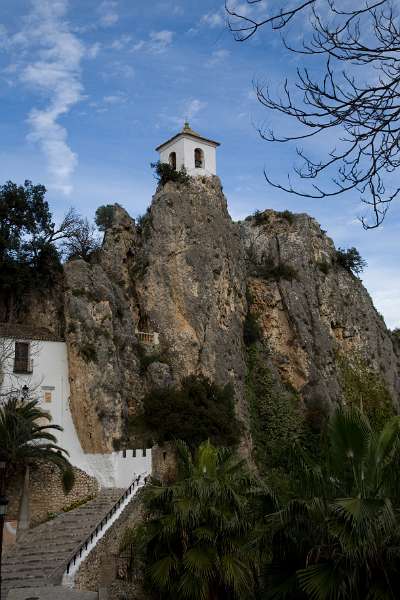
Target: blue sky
x=89, y=88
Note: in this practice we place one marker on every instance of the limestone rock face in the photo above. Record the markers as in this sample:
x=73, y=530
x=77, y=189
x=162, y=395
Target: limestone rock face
x=188, y=273
x=310, y=309
x=180, y=273
x=193, y=288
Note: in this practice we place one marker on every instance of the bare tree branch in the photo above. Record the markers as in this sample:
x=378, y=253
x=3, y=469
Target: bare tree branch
x=360, y=105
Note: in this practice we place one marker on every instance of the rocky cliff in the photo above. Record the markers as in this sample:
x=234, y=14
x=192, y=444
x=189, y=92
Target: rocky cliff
x=180, y=272
x=188, y=273
x=314, y=314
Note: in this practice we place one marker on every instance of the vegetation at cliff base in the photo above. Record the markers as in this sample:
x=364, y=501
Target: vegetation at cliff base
x=218, y=531
x=197, y=539
x=364, y=388
x=197, y=410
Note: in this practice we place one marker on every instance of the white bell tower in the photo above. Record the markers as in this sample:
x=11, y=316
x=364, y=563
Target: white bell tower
x=190, y=150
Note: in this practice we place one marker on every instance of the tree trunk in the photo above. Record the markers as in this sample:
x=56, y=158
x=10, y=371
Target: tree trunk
x=24, y=510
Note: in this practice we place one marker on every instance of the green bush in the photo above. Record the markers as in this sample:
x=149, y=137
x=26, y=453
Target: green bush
x=146, y=359
x=88, y=352
x=288, y=215
x=196, y=411
x=143, y=223
x=104, y=217
x=270, y=270
x=350, y=260
x=251, y=330
x=68, y=480
x=396, y=334
x=365, y=388
x=164, y=173
x=324, y=266
x=276, y=416
x=260, y=217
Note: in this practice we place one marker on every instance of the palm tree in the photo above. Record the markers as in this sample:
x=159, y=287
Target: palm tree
x=196, y=540
x=24, y=441
x=341, y=538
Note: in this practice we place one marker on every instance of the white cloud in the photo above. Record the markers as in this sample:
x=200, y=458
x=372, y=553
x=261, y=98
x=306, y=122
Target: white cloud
x=213, y=19
x=121, y=42
x=158, y=42
x=93, y=50
x=118, y=98
x=217, y=57
x=52, y=67
x=108, y=13
x=119, y=69
x=193, y=107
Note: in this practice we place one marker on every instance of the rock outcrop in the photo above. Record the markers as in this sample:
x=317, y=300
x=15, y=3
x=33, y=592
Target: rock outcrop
x=311, y=310
x=188, y=273
x=180, y=272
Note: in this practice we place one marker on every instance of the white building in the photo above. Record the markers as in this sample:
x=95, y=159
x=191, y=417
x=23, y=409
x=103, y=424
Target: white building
x=37, y=364
x=190, y=150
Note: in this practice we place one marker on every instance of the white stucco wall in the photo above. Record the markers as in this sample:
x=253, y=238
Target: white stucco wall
x=184, y=148
x=49, y=379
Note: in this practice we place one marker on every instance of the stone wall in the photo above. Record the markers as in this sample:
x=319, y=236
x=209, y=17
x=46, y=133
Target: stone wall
x=46, y=493
x=103, y=569
x=164, y=462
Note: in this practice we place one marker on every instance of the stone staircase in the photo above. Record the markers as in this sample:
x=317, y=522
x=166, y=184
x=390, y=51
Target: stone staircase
x=41, y=555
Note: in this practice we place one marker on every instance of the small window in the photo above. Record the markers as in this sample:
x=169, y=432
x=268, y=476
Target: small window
x=172, y=160
x=22, y=361
x=199, y=158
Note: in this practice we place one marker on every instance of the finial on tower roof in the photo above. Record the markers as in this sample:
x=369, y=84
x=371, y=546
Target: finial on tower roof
x=186, y=125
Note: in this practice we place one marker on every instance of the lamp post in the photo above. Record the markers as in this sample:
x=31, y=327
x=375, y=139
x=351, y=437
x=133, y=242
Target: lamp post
x=3, y=512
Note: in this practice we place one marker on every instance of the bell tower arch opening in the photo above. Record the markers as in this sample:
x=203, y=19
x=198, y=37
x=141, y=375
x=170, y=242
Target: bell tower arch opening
x=172, y=160
x=199, y=158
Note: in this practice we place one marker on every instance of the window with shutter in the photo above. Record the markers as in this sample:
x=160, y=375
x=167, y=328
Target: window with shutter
x=22, y=362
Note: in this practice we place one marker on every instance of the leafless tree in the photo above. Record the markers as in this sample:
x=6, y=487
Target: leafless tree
x=10, y=384
x=357, y=97
x=82, y=242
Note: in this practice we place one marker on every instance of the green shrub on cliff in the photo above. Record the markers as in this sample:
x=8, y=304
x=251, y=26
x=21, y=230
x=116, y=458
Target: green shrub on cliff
x=365, y=388
x=351, y=260
x=276, y=420
x=165, y=172
x=104, y=217
x=196, y=411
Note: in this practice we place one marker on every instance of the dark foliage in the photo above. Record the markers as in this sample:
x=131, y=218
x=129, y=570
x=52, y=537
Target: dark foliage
x=357, y=106
x=251, y=330
x=27, y=256
x=144, y=223
x=164, y=173
x=83, y=243
x=68, y=479
x=324, y=266
x=351, y=260
x=271, y=270
x=288, y=215
x=104, y=217
x=260, y=217
x=198, y=410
